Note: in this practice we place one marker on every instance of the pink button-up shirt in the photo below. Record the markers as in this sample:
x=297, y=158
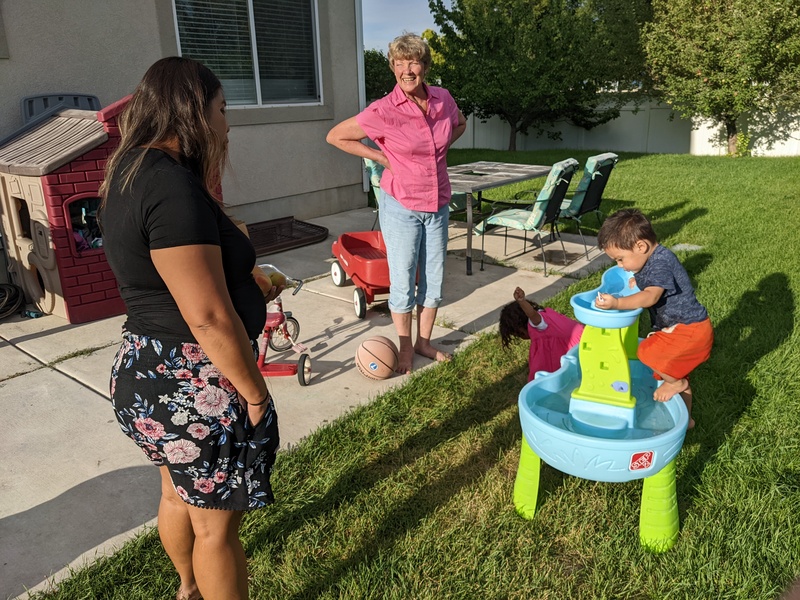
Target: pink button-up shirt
x=415, y=144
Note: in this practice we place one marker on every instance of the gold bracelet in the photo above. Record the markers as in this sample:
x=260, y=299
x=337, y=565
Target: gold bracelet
x=266, y=397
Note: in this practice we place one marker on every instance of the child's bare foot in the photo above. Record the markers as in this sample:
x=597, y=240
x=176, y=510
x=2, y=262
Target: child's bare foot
x=429, y=351
x=405, y=360
x=668, y=389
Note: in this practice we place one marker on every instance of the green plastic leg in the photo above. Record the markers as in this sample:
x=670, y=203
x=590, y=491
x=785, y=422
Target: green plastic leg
x=658, y=519
x=526, y=486
x=630, y=339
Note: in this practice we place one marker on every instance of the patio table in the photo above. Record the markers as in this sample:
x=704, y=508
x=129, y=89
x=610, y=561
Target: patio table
x=476, y=177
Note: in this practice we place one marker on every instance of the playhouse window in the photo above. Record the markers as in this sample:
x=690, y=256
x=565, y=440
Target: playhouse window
x=85, y=231
x=265, y=52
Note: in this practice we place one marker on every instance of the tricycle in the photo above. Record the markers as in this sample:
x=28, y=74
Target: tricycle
x=281, y=332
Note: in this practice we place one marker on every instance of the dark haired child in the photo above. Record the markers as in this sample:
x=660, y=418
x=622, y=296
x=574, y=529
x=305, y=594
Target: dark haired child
x=682, y=333
x=551, y=334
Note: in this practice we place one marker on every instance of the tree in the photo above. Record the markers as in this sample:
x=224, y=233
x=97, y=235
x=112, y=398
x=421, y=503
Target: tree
x=379, y=79
x=722, y=59
x=535, y=62
x=437, y=60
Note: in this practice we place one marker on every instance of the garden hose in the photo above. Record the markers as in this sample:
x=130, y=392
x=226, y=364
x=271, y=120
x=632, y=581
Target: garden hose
x=11, y=299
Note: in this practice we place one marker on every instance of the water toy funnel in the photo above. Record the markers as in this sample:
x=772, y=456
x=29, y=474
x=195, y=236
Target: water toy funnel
x=595, y=417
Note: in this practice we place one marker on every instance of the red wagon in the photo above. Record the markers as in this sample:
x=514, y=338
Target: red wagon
x=361, y=256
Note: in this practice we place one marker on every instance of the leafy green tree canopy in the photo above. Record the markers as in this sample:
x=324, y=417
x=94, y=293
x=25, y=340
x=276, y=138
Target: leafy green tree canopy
x=535, y=62
x=721, y=59
x=379, y=79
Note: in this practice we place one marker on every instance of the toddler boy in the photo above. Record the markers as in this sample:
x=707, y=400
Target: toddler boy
x=682, y=334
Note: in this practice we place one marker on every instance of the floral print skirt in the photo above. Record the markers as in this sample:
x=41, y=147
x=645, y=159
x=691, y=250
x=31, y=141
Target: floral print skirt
x=183, y=413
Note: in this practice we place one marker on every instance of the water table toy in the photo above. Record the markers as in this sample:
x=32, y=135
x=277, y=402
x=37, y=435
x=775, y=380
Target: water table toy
x=595, y=417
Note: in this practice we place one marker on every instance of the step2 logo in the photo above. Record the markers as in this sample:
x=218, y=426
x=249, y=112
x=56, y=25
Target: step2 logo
x=641, y=460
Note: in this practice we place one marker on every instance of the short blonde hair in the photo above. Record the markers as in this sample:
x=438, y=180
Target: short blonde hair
x=410, y=46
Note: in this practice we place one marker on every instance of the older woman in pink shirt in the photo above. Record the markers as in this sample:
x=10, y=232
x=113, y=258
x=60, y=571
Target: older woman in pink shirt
x=413, y=128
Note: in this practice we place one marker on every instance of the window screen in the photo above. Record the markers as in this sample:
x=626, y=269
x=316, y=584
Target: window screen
x=263, y=51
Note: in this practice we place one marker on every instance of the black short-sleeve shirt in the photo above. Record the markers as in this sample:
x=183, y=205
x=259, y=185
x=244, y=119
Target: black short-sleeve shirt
x=166, y=206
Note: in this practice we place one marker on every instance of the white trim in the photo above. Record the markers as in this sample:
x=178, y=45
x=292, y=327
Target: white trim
x=290, y=105
x=254, y=50
x=175, y=27
x=318, y=52
x=362, y=86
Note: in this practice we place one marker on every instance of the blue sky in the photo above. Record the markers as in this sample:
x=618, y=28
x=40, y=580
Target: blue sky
x=384, y=20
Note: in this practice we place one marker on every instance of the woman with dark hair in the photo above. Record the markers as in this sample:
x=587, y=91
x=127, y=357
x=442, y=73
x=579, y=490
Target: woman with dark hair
x=413, y=127
x=184, y=384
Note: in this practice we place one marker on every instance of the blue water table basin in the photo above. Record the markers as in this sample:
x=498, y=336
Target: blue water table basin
x=595, y=416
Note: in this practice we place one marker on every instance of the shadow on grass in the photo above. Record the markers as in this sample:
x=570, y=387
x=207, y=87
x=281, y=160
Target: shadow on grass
x=483, y=406
x=721, y=385
x=410, y=513
x=665, y=228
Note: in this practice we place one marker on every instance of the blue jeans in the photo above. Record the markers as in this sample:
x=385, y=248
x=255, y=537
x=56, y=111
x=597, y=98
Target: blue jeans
x=414, y=240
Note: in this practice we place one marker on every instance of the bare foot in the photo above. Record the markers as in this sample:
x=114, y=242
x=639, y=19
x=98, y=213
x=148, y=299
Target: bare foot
x=430, y=351
x=189, y=595
x=668, y=389
x=405, y=360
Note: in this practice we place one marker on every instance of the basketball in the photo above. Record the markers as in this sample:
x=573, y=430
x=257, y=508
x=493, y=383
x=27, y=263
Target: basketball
x=377, y=357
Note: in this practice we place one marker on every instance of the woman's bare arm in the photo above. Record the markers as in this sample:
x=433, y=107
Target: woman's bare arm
x=195, y=278
x=458, y=131
x=347, y=136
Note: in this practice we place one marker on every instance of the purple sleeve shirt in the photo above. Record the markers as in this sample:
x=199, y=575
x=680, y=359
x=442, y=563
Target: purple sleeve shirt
x=415, y=144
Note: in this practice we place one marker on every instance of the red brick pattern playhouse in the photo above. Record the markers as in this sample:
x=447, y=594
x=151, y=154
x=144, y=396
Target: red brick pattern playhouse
x=50, y=173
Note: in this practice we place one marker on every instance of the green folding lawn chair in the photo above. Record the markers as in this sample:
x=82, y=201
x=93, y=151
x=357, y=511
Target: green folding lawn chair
x=589, y=193
x=374, y=171
x=544, y=211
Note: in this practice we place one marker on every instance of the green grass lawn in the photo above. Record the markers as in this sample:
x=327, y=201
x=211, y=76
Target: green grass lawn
x=410, y=497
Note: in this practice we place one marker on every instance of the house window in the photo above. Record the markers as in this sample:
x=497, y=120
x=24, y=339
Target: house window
x=265, y=52
x=3, y=42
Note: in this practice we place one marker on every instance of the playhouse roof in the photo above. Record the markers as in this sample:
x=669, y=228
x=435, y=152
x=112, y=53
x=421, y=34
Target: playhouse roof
x=44, y=145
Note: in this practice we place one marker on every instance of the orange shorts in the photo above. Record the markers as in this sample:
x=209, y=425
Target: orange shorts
x=677, y=353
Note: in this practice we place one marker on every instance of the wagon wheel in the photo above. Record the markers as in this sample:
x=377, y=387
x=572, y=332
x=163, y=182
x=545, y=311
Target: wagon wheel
x=337, y=274
x=360, y=303
x=304, y=369
x=283, y=339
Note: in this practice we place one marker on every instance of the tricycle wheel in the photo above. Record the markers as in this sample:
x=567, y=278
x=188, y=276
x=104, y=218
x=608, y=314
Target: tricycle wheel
x=304, y=369
x=360, y=303
x=337, y=274
x=283, y=339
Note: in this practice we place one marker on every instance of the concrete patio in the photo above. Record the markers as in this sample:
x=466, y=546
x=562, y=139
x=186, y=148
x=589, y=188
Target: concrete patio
x=76, y=488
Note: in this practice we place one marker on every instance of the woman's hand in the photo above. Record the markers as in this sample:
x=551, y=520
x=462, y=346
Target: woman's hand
x=273, y=293
x=383, y=160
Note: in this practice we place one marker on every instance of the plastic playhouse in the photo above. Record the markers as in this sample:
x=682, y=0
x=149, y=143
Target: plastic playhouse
x=595, y=417
x=50, y=173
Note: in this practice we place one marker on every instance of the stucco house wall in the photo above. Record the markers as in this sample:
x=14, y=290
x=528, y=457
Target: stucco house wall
x=280, y=163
